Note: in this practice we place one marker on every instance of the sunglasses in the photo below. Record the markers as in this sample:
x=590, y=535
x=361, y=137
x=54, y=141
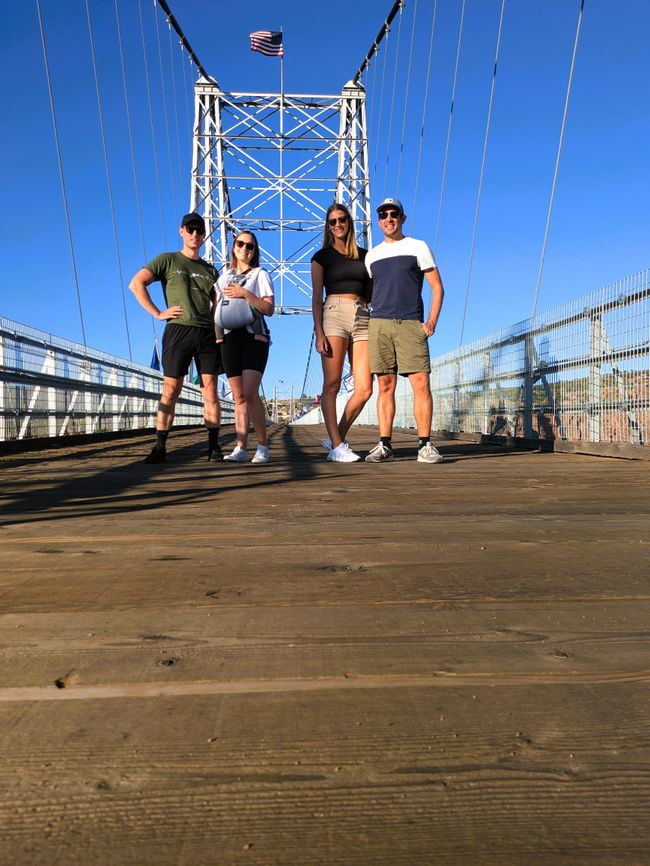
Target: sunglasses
x=384, y=214
x=340, y=220
x=249, y=247
x=194, y=230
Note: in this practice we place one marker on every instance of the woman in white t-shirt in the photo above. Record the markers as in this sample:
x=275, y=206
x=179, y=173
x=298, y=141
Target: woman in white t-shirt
x=245, y=350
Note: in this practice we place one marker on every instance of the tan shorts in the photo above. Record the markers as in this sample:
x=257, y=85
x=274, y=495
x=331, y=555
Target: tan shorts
x=398, y=346
x=343, y=317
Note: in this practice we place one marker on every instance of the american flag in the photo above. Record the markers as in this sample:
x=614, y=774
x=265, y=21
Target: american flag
x=267, y=42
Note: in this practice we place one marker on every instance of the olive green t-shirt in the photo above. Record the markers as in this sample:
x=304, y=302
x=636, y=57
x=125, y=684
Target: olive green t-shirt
x=188, y=283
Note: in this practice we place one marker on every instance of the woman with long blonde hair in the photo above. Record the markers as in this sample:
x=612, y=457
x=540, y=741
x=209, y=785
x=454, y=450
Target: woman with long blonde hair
x=341, y=325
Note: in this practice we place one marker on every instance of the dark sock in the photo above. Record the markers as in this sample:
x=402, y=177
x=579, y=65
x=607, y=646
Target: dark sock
x=422, y=441
x=161, y=439
x=386, y=442
x=213, y=437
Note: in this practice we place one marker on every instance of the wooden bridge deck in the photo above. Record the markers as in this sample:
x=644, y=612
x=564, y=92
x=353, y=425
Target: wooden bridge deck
x=309, y=663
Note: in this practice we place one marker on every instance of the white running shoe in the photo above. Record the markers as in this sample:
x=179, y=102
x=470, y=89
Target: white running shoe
x=327, y=443
x=379, y=454
x=239, y=455
x=343, y=454
x=429, y=454
x=261, y=455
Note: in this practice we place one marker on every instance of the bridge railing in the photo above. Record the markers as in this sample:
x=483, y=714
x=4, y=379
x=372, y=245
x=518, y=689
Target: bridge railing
x=53, y=387
x=579, y=372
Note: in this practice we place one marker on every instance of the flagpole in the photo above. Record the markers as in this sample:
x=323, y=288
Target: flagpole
x=281, y=170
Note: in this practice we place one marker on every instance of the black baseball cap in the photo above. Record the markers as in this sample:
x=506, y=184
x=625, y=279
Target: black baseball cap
x=193, y=219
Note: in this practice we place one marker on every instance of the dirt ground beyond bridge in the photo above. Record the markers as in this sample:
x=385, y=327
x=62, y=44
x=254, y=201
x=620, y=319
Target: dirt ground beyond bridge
x=312, y=663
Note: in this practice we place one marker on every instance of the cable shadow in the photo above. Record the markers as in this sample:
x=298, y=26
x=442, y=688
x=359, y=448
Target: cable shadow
x=115, y=490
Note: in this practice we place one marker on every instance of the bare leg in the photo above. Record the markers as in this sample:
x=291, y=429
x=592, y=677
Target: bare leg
x=362, y=385
x=332, y=372
x=251, y=390
x=172, y=388
x=211, y=405
x=241, y=410
x=387, y=383
x=422, y=402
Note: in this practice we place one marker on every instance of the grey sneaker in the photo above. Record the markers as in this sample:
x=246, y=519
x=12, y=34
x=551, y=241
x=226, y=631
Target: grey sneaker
x=429, y=454
x=239, y=455
x=379, y=454
x=261, y=455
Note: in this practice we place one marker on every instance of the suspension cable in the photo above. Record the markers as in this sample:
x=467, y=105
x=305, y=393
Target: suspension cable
x=406, y=100
x=375, y=45
x=174, y=23
x=424, y=111
x=480, y=183
x=381, y=102
x=61, y=174
x=392, y=100
x=186, y=88
x=311, y=347
x=109, y=185
x=451, y=117
x=174, y=101
x=136, y=186
x=151, y=124
x=165, y=113
x=557, y=160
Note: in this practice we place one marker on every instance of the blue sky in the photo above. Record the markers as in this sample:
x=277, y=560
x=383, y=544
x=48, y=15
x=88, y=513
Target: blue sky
x=601, y=220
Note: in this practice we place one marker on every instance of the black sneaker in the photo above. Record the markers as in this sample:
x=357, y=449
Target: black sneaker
x=215, y=454
x=158, y=455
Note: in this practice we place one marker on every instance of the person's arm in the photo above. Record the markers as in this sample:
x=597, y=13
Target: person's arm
x=322, y=343
x=218, y=330
x=265, y=305
x=139, y=285
x=432, y=277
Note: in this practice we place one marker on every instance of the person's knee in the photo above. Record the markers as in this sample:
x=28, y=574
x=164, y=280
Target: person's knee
x=363, y=392
x=332, y=386
x=386, y=385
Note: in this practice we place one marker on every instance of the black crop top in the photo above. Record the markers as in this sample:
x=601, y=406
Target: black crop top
x=342, y=276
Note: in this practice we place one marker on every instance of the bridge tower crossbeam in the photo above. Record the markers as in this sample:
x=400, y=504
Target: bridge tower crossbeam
x=272, y=163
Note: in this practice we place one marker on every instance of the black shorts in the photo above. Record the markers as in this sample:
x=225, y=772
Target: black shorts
x=241, y=351
x=182, y=343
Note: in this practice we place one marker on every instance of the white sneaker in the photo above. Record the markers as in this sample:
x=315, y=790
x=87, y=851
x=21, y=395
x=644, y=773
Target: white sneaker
x=261, y=455
x=327, y=443
x=343, y=454
x=429, y=454
x=239, y=455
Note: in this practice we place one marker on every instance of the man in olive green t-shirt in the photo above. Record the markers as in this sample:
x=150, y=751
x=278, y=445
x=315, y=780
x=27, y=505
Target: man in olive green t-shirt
x=188, y=287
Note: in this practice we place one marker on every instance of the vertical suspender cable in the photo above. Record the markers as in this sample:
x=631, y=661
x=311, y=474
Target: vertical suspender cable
x=424, y=112
x=108, y=177
x=153, y=132
x=174, y=102
x=392, y=99
x=381, y=105
x=165, y=112
x=61, y=175
x=451, y=117
x=557, y=160
x=480, y=183
x=136, y=186
x=406, y=98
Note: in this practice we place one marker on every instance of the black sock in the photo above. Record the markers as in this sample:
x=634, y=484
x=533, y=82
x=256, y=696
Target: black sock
x=213, y=438
x=161, y=439
x=422, y=441
x=385, y=441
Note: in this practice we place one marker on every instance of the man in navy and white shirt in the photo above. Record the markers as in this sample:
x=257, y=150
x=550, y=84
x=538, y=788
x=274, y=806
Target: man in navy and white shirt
x=398, y=330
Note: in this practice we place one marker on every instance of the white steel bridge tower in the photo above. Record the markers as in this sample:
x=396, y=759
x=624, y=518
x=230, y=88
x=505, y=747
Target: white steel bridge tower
x=272, y=163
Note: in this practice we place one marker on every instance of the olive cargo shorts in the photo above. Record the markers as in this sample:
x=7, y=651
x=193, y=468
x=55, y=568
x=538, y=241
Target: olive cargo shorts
x=398, y=346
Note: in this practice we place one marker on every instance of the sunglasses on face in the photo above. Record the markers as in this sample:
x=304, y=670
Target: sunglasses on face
x=337, y=220
x=250, y=247
x=384, y=214
x=194, y=230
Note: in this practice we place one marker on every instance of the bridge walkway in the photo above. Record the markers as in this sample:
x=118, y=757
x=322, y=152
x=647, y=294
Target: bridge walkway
x=312, y=663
